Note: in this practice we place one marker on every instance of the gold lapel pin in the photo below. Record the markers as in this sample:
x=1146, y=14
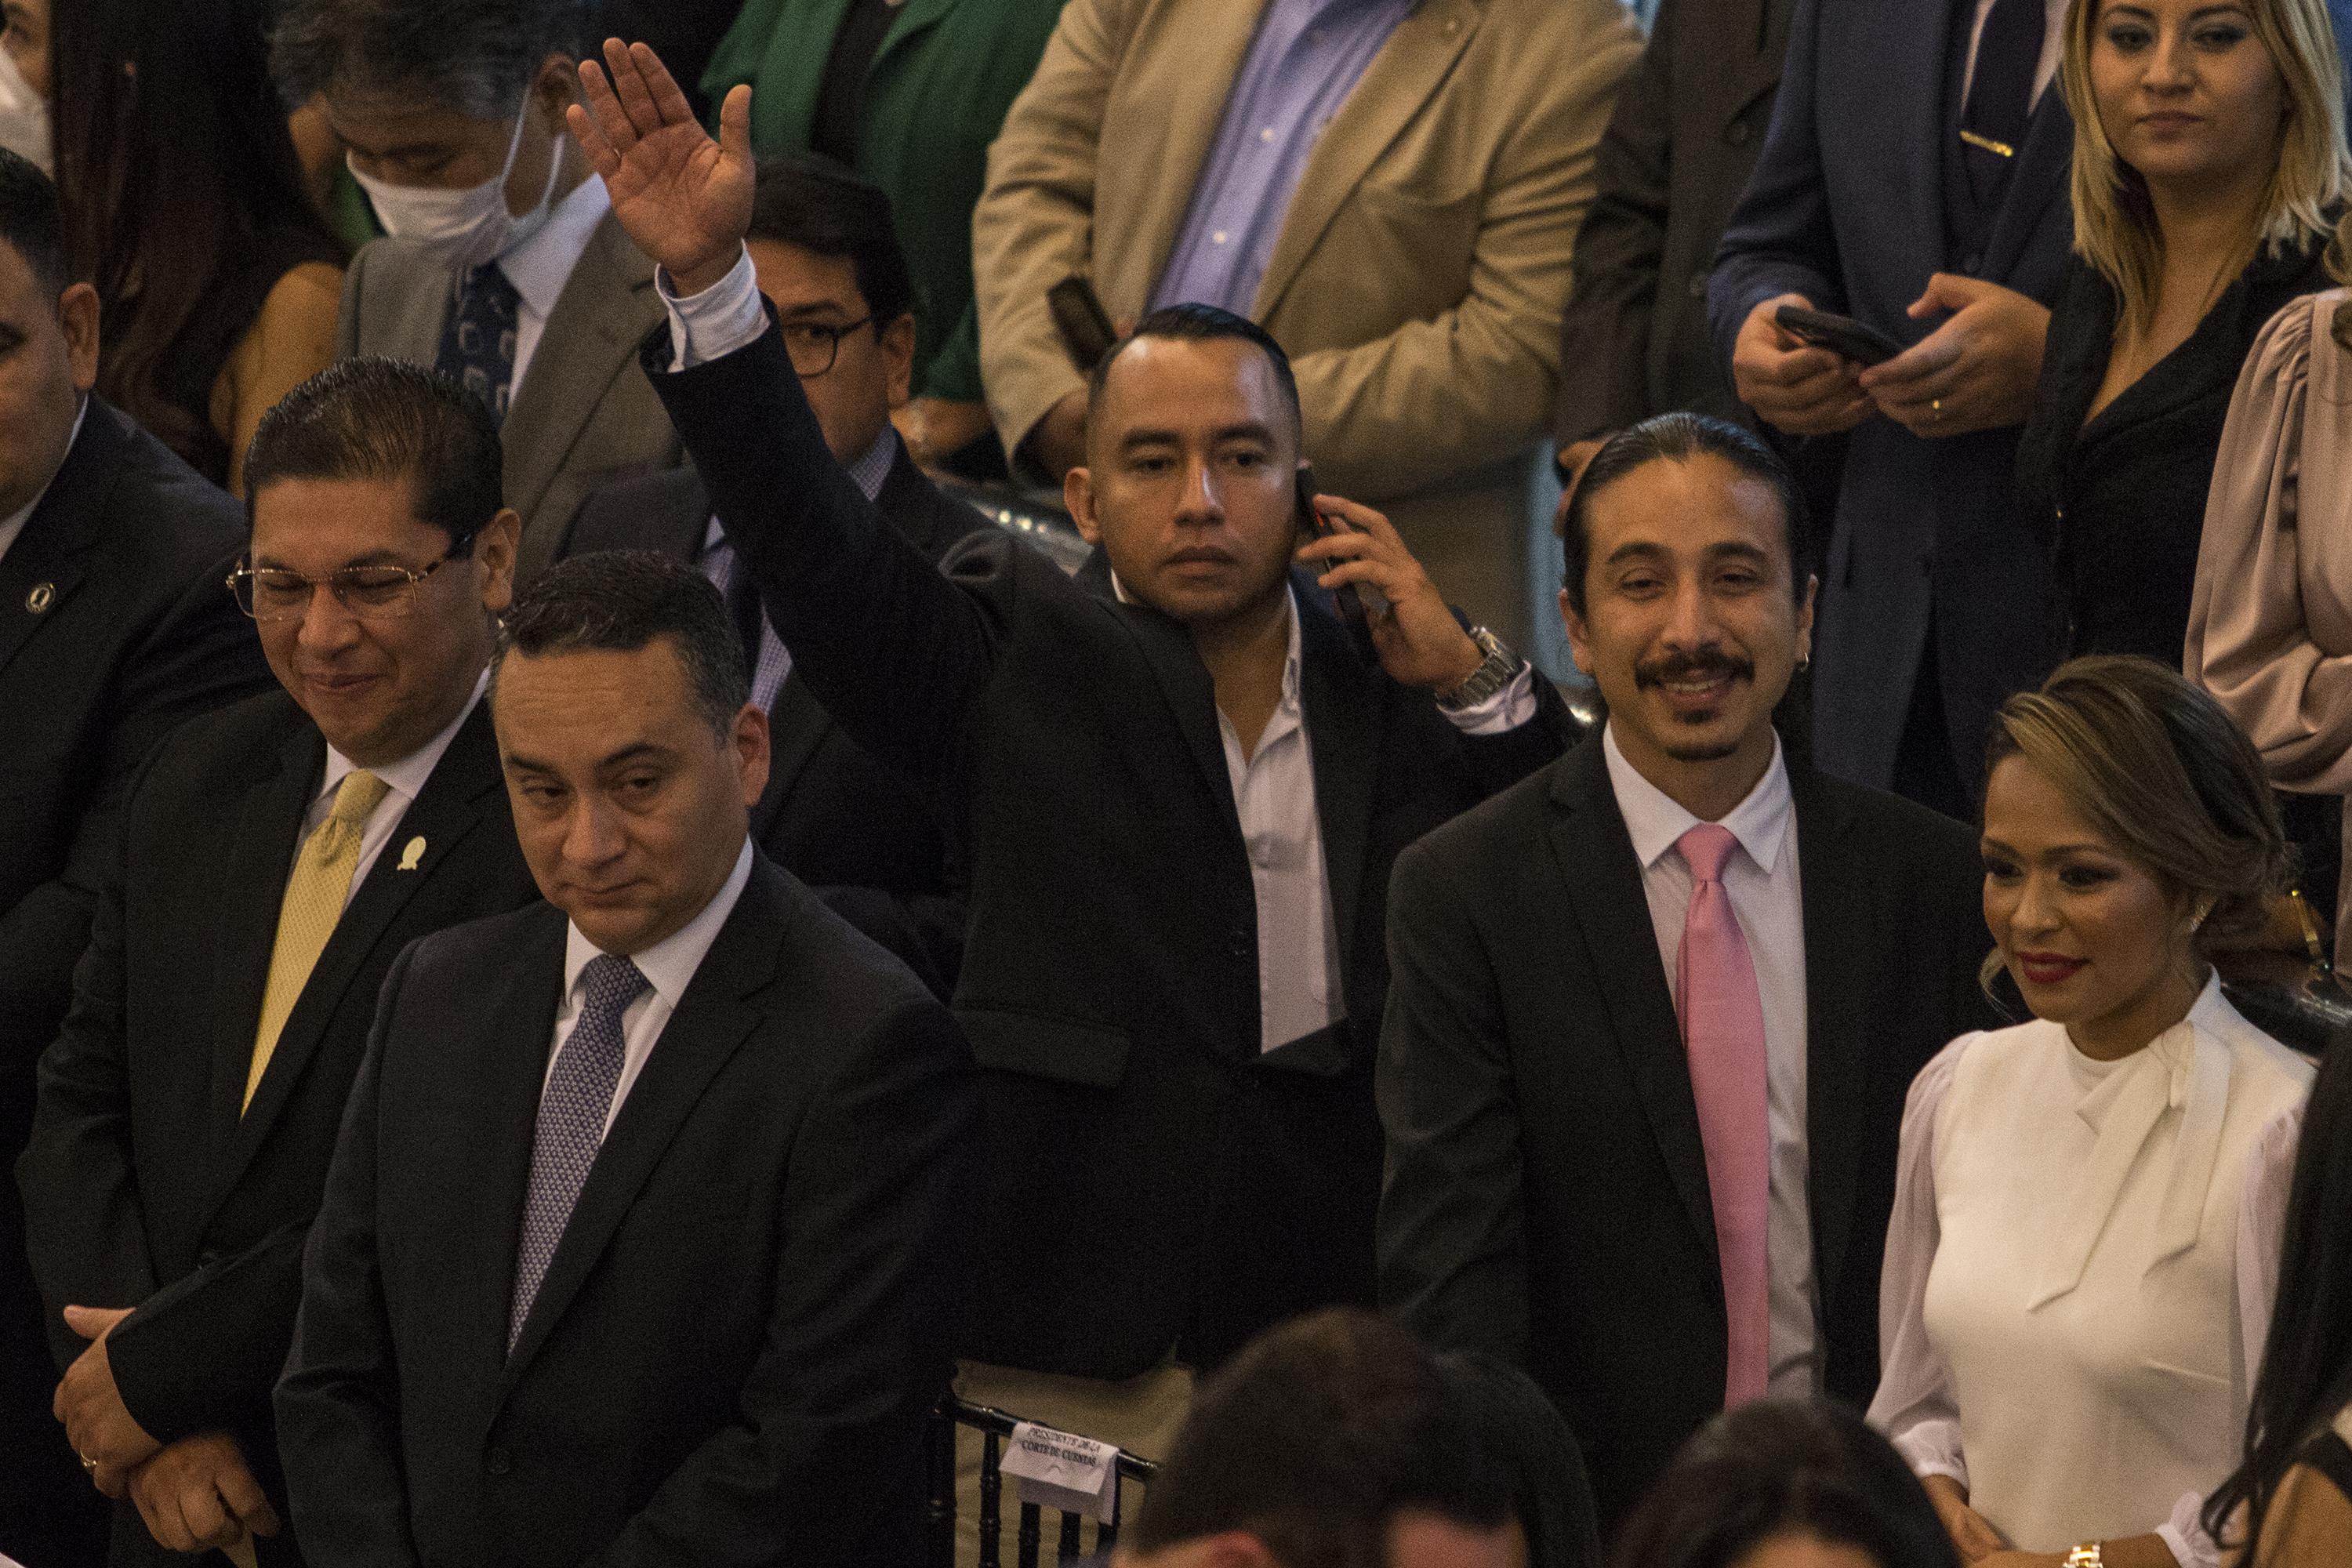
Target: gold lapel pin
x=411, y=853
x=43, y=595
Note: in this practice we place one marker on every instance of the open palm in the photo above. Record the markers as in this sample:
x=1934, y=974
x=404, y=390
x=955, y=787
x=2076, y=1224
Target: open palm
x=685, y=199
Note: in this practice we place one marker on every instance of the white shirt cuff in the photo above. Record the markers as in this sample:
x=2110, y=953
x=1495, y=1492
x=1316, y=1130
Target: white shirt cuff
x=712, y=324
x=2184, y=1534
x=1505, y=710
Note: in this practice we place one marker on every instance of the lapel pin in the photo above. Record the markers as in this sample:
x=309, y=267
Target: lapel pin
x=43, y=595
x=411, y=853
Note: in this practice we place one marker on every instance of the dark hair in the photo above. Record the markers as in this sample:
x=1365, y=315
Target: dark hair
x=476, y=57
x=1678, y=438
x=1779, y=1466
x=2160, y=770
x=2306, y=1370
x=1316, y=1435
x=1553, y=1498
x=386, y=419
x=807, y=199
x=618, y=601
x=30, y=222
x=184, y=200
x=1200, y=324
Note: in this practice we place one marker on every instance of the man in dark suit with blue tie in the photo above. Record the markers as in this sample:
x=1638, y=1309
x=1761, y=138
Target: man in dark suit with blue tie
x=1915, y=179
x=273, y=858
x=641, y=1237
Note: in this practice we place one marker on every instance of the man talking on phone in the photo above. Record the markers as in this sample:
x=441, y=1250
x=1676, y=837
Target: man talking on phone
x=1179, y=799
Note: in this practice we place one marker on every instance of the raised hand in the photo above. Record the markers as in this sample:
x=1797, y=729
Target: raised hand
x=685, y=199
x=1417, y=638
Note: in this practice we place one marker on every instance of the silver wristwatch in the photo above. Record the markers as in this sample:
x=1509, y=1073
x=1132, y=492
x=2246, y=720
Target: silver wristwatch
x=1497, y=671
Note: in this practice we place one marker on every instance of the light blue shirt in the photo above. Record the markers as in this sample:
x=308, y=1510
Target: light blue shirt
x=1305, y=59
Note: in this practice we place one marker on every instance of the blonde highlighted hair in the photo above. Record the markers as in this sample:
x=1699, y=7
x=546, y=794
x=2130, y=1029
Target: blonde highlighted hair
x=2114, y=225
x=2162, y=773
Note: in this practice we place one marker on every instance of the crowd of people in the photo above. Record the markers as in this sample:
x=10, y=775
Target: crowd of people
x=584, y=940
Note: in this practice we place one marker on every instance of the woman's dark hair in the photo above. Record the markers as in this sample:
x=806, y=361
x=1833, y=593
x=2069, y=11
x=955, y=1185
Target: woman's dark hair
x=1553, y=1496
x=2306, y=1371
x=1316, y=1435
x=1677, y=438
x=185, y=202
x=1784, y=1467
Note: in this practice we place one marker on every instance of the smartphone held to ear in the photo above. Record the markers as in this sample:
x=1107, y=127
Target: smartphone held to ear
x=1358, y=602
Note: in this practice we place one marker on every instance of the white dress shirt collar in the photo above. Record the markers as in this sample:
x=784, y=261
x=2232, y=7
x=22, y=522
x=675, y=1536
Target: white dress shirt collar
x=669, y=964
x=14, y=523
x=1656, y=821
x=405, y=777
x=541, y=265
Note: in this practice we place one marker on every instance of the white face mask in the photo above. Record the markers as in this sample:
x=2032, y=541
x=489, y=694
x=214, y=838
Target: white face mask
x=23, y=116
x=462, y=228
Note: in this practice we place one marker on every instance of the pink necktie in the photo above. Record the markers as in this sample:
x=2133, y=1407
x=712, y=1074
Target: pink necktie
x=1723, y=1031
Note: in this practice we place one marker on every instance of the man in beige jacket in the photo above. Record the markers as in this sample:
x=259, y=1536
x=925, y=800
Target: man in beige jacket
x=1391, y=188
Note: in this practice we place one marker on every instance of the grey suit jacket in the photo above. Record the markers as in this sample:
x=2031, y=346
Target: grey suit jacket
x=582, y=416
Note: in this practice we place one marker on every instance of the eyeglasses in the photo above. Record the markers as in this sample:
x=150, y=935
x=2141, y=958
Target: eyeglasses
x=370, y=592
x=815, y=346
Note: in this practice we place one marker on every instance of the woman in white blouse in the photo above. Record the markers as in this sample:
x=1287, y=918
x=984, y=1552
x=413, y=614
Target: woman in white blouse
x=2084, y=1235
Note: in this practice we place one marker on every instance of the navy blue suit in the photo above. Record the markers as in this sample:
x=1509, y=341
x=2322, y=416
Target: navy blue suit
x=1855, y=204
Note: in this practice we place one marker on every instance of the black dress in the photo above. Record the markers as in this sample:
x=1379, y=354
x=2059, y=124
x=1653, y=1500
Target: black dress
x=2119, y=501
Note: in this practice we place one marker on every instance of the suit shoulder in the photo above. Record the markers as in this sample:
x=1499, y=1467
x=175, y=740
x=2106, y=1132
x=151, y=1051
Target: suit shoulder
x=833, y=970
x=162, y=512
x=1500, y=828
x=233, y=733
x=1906, y=828
x=478, y=954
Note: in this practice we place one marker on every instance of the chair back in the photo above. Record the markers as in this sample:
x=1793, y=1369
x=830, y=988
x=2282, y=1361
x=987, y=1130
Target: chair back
x=995, y=1428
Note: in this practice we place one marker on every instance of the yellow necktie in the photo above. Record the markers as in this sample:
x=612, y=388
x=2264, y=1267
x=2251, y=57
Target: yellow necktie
x=314, y=902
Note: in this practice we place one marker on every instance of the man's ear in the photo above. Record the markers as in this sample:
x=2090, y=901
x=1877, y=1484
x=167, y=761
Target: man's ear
x=748, y=741
x=1078, y=496
x=494, y=547
x=556, y=87
x=898, y=340
x=1805, y=620
x=78, y=314
x=1580, y=644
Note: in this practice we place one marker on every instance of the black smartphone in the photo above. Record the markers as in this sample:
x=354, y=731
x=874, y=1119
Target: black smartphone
x=1079, y=315
x=1356, y=604
x=1842, y=335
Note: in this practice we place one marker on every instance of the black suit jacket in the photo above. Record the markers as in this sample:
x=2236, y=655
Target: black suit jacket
x=732, y=1356
x=1688, y=124
x=143, y=1185
x=860, y=836
x=115, y=624
x=1546, y=1196
x=1154, y=1179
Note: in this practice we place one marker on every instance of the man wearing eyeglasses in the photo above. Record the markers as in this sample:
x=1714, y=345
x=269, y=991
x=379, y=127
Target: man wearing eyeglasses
x=825, y=255
x=277, y=857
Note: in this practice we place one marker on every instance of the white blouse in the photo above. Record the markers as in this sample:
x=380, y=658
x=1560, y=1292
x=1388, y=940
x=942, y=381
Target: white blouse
x=2079, y=1273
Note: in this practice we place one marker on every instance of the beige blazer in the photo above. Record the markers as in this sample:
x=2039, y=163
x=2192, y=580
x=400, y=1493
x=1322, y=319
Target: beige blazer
x=1422, y=269
x=584, y=414
x=2270, y=621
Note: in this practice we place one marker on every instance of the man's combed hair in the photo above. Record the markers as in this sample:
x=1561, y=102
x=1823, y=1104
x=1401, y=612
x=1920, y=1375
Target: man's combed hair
x=31, y=221
x=1190, y=324
x=1677, y=438
x=1317, y=1435
x=619, y=601
x=387, y=420
x=476, y=57
x=808, y=201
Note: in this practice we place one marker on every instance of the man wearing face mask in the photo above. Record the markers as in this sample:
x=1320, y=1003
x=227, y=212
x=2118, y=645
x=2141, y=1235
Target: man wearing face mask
x=502, y=266
x=25, y=80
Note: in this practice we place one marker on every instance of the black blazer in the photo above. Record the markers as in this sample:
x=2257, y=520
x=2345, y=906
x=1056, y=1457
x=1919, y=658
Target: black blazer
x=1688, y=124
x=862, y=838
x=114, y=625
x=1154, y=1179
x=731, y=1358
x=1546, y=1196
x=143, y=1185
x=2119, y=501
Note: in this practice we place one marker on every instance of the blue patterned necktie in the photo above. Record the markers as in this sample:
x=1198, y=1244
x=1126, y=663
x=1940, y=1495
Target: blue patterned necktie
x=477, y=341
x=571, y=1113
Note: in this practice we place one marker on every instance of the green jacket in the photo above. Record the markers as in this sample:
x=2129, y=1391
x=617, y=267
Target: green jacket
x=934, y=98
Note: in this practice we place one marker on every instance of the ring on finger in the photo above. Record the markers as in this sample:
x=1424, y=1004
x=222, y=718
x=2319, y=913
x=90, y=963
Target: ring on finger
x=1935, y=408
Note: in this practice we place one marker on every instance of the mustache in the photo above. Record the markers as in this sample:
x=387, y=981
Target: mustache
x=1701, y=664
